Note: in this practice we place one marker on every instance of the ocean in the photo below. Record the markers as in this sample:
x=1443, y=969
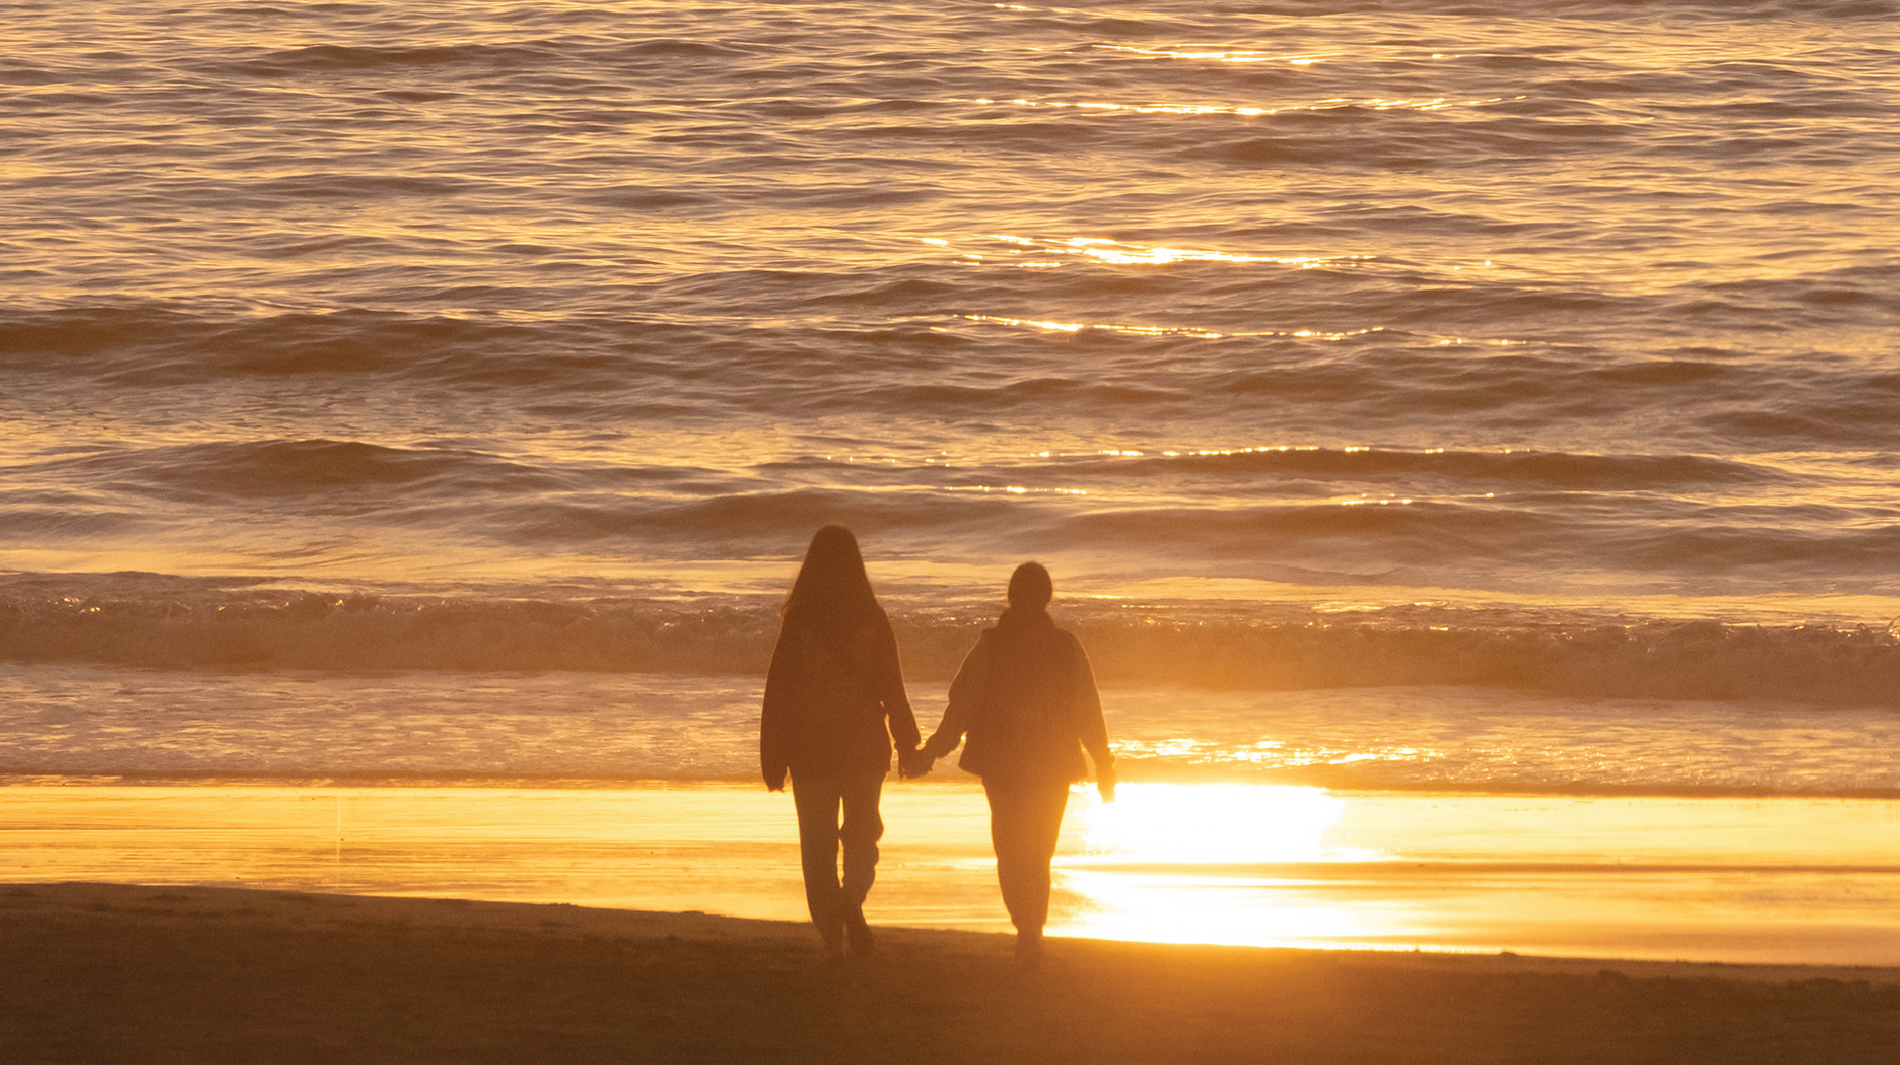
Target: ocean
x=1405, y=396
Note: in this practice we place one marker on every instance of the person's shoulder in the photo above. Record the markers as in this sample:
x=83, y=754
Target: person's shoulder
x=985, y=642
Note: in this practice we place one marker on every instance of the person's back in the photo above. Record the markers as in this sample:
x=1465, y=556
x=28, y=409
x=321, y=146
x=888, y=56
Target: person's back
x=1037, y=705
x=1025, y=698
x=828, y=695
x=834, y=700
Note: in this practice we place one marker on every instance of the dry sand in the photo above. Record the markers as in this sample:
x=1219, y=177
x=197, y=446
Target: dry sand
x=112, y=973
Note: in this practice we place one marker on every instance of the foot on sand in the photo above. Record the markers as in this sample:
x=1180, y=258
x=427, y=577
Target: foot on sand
x=833, y=935
x=858, y=931
x=1029, y=949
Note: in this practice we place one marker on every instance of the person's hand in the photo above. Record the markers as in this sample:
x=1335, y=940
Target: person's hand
x=914, y=763
x=1105, y=783
x=774, y=778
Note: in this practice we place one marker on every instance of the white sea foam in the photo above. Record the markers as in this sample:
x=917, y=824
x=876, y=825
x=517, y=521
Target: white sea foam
x=103, y=724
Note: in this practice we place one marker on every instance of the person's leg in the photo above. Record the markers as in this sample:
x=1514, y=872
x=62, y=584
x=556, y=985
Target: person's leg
x=1025, y=820
x=1052, y=802
x=861, y=830
x=817, y=799
x=1005, y=836
x=1042, y=808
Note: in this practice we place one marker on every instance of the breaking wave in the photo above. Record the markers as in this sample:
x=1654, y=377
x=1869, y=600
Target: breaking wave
x=202, y=625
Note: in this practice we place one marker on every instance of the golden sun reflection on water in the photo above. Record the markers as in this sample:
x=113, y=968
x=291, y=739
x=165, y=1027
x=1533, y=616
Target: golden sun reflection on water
x=1210, y=823
x=1145, y=908
x=1129, y=845
x=1435, y=103
x=1778, y=880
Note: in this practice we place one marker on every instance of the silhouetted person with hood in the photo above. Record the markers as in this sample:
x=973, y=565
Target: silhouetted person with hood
x=834, y=698
x=1026, y=699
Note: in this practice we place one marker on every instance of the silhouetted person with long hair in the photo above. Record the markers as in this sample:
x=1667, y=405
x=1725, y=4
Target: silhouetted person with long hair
x=1025, y=698
x=834, y=698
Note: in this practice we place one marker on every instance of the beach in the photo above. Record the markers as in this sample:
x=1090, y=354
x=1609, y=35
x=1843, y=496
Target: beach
x=1753, y=879
x=125, y=973
x=321, y=923
x=1462, y=438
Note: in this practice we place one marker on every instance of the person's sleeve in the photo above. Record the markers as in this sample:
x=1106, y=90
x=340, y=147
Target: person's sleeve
x=891, y=691
x=774, y=753
x=965, y=692
x=1088, y=709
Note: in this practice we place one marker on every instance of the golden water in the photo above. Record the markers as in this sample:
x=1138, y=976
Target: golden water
x=1773, y=880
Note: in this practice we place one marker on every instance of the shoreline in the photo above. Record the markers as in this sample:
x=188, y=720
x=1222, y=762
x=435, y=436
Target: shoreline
x=192, y=900
x=1779, y=882
x=93, y=971
x=944, y=776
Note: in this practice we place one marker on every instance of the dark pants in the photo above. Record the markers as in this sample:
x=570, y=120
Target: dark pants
x=820, y=835
x=1025, y=819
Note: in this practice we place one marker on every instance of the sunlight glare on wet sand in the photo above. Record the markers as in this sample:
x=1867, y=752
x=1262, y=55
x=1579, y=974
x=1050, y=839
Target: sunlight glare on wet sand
x=1770, y=880
x=1201, y=825
x=1774, y=880
x=1211, y=823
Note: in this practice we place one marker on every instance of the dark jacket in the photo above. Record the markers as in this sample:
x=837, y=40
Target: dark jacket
x=828, y=697
x=1026, y=699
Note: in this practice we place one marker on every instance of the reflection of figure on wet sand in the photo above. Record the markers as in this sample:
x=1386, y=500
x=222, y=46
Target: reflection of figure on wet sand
x=834, y=697
x=1026, y=698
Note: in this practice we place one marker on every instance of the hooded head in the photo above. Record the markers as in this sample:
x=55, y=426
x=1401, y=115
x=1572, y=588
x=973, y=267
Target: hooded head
x=1030, y=588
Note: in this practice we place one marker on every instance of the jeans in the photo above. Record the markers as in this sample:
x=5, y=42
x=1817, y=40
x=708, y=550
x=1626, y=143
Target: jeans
x=1025, y=819
x=821, y=836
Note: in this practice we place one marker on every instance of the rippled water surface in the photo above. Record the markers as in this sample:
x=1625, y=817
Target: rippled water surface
x=108, y=725
x=1321, y=344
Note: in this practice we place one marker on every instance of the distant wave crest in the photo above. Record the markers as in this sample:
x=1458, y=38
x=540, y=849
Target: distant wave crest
x=274, y=629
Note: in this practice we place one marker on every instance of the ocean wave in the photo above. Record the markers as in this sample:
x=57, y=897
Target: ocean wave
x=567, y=729
x=155, y=345
x=173, y=623
x=1470, y=470
x=839, y=337
x=1586, y=297
x=328, y=57
x=1500, y=519
x=282, y=468
x=738, y=523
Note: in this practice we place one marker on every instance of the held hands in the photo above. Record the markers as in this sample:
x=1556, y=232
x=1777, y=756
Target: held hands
x=774, y=777
x=913, y=763
x=1105, y=782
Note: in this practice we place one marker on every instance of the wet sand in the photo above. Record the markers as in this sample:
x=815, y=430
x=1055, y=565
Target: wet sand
x=1781, y=881
x=129, y=973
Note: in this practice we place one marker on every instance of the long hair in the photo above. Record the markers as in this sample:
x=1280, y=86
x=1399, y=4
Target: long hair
x=832, y=589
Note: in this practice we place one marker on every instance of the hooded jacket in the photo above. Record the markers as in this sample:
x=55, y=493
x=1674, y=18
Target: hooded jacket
x=1025, y=697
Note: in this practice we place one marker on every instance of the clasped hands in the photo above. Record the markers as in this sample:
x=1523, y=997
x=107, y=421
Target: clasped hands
x=914, y=763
